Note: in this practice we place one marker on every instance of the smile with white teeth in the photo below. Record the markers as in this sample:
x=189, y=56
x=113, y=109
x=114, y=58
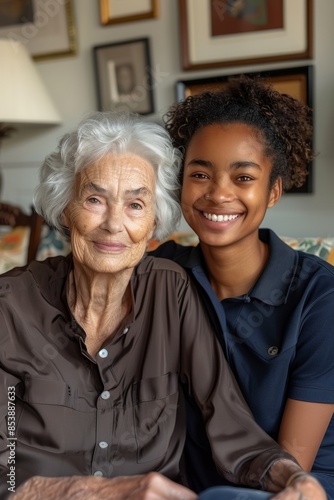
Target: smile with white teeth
x=220, y=218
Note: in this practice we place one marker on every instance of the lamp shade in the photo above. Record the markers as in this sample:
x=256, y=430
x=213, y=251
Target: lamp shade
x=23, y=96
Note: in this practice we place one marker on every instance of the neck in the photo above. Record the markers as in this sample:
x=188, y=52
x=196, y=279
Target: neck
x=99, y=303
x=233, y=270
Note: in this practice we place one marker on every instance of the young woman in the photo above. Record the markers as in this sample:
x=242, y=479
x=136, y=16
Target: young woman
x=272, y=307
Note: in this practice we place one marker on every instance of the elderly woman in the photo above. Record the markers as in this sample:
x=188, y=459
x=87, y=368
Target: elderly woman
x=95, y=346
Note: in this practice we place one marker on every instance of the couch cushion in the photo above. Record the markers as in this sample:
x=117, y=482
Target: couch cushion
x=52, y=243
x=13, y=247
x=323, y=247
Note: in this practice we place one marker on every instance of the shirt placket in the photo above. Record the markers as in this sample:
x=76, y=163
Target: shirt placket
x=105, y=446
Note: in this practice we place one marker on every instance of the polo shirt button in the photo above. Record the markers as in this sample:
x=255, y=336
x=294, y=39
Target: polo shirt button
x=125, y=330
x=103, y=353
x=273, y=350
x=103, y=444
x=98, y=473
x=105, y=395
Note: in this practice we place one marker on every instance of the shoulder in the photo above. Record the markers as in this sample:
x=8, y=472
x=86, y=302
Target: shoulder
x=161, y=266
x=36, y=275
x=172, y=250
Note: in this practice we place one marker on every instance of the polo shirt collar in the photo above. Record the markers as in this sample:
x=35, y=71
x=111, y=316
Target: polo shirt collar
x=274, y=284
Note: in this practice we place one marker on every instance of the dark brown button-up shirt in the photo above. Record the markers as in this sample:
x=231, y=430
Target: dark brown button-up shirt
x=120, y=413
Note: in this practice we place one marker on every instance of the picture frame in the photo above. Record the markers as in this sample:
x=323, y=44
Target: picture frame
x=124, y=11
x=297, y=82
x=46, y=29
x=288, y=41
x=124, y=76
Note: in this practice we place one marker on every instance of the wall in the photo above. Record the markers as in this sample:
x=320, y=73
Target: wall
x=72, y=86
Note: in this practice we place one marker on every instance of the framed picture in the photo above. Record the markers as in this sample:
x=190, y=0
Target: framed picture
x=124, y=77
x=221, y=33
x=297, y=82
x=124, y=11
x=45, y=28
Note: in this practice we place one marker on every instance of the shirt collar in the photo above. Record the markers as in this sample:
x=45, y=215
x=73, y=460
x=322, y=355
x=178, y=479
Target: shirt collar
x=274, y=284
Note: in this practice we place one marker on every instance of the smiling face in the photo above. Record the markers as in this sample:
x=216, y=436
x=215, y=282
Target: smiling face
x=111, y=217
x=225, y=192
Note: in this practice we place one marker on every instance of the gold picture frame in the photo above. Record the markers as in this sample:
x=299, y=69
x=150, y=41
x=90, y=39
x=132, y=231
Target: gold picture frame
x=48, y=32
x=201, y=50
x=297, y=82
x=125, y=11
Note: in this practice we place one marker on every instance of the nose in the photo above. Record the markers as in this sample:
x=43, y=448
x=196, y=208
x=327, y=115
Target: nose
x=219, y=192
x=113, y=219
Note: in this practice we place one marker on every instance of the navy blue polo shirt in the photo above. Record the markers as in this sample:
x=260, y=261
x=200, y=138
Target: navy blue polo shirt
x=278, y=340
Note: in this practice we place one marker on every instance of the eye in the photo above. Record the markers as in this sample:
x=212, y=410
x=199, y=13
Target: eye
x=199, y=175
x=245, y=178
x=93, y=200
x=136, y=206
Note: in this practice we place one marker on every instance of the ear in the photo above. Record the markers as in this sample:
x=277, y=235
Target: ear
x=65, y=219
x=152, y=231
x=275, y=193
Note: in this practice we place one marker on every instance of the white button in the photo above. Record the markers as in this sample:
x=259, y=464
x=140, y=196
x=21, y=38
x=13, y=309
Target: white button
x=125, y=331
x=103, y=353
x=105, y=395
x=103, y=444
x=98, y=473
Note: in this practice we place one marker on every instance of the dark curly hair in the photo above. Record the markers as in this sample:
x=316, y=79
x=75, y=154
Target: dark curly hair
x=284, y=123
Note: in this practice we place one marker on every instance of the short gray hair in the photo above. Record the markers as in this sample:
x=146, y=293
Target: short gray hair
x=96, y=136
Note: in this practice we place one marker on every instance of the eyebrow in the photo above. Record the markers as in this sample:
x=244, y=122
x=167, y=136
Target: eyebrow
x=235, y=165
x=141, y=191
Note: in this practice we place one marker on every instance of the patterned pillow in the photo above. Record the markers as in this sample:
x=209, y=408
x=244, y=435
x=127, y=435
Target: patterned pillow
x=13, y=247
x=52, y=243
x=323, y=247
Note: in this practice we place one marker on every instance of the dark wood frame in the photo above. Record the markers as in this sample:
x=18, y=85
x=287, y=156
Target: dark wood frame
x=103, y=54
x=301, y=78
x=107, y=18
x=13, y=216
x=239, y=61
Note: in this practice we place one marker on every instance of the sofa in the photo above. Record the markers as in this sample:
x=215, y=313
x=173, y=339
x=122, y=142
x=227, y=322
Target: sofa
x=14, y=243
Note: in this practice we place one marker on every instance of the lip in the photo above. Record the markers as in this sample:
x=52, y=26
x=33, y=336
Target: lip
x=109, y=246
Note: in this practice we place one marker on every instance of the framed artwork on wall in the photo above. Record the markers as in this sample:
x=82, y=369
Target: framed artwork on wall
x=123, y=76
x=45, y=28
x=297, y=82
x=218, y=33
x=124, y=11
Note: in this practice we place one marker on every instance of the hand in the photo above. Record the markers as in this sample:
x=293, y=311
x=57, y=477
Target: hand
x=152, y=486
x=305, y=487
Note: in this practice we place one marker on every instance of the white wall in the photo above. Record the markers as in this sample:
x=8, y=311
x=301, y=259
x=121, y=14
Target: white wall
x=71, y=83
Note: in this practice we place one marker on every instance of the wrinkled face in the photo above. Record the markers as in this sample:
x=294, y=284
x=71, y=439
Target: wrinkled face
x=225, y=192
x=111, y=217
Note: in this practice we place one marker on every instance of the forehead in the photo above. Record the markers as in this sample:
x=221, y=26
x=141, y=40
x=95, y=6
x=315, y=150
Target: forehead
x=237, y=137
x=115, y=168
x=237, y=129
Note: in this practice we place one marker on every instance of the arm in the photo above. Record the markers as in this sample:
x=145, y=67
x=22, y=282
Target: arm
x=8, y=418
x=149, y=486
x=303, y=427
x=243, y=453
x=310, y=404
